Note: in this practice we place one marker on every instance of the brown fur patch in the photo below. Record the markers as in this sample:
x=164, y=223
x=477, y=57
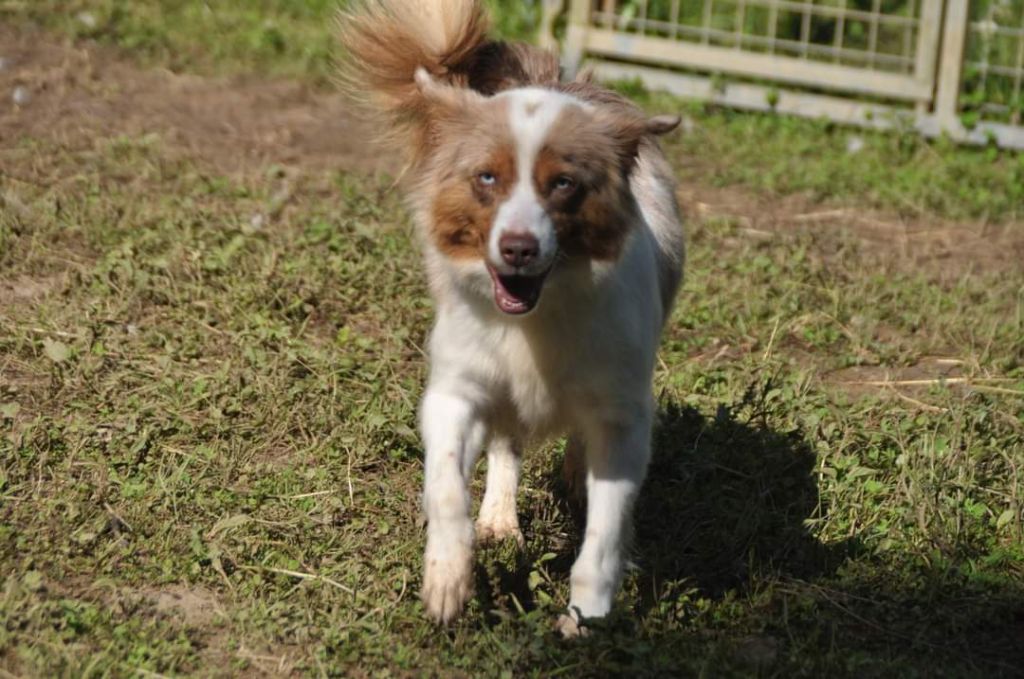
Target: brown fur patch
x=500, y=66
x=592, y=217
x=464, y=206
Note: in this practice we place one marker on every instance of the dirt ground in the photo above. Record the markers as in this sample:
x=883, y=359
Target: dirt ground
x=76, y=94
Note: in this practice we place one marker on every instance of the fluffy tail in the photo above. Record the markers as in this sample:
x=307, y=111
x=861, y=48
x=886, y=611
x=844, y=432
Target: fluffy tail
x=385, y=41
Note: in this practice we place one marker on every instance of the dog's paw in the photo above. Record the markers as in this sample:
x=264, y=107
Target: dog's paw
x=447, y=585
x=496, y=529
x=569, y=627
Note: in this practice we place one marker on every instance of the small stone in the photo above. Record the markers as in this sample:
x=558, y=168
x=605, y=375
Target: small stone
x=87, y=19
x=20, y=96
x=33, y=581
x=757, y=650
x=256, y=221
x=854, y=144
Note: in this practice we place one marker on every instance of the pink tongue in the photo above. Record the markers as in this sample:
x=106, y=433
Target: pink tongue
x=508, y=302
x=516, y=294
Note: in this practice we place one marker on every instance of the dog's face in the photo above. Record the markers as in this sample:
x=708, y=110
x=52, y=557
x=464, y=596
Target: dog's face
x=520, y=181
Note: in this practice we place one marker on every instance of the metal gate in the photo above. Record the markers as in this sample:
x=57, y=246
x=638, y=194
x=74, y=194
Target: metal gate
x=950, y=67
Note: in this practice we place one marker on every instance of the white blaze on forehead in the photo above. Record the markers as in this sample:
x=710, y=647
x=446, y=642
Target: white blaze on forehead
x=532, y=113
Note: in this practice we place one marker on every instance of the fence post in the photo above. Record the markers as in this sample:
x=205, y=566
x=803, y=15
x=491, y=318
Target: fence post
x=951, y=64
x=929, y=33
x=576, y=35
x=546, y=36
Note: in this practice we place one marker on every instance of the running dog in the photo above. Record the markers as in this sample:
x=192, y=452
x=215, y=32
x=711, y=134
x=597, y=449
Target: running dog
x=547, y=217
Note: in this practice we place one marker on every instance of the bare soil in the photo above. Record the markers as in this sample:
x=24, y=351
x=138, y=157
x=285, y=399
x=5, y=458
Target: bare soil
x=936, y=246
x=26, y=289
x=75, y=94
x=193, y=606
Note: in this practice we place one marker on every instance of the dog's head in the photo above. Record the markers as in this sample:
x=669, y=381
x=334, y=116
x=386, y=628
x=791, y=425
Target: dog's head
x=511, y=185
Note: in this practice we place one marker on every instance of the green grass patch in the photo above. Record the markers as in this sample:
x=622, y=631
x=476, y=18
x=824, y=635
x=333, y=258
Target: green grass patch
x=201, y=403
x=895, y=171
x=279, y=37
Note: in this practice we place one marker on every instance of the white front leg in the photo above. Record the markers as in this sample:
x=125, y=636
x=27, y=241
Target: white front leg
x=453, y=434
x=617, y=459
x=498, y=519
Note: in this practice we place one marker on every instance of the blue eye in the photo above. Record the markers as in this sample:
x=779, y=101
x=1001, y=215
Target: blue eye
x=487, y=179
x=564, y=183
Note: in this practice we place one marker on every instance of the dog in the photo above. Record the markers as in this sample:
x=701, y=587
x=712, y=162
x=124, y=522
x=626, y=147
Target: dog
x=553, y=246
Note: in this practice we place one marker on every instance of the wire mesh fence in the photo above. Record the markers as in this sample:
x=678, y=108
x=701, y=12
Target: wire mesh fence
x=944, y=66
x=993, y=82
x=873, y=34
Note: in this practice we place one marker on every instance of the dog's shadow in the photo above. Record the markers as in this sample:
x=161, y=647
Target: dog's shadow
x=726, y=499
x=727, y=513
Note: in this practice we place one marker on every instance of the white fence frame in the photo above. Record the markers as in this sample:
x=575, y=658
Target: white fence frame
x=925, y=96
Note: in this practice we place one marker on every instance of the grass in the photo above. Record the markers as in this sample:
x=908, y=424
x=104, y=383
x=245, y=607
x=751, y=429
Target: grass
x=283, y=37
x=897, y=172
x=278, y=36
x=207, y=403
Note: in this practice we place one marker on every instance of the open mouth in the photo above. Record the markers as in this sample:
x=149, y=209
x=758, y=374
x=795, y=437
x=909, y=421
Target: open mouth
x=516, y=294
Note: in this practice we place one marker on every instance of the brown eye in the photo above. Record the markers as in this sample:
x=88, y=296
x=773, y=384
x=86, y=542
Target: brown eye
x=487, y=179
x=564, y=183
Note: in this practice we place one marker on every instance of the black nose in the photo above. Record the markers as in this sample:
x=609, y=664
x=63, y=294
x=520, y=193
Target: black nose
x=518, y=249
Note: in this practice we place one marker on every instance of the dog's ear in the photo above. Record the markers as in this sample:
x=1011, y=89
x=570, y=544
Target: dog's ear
x=659, y=125
x=443, y=99
x=629, y=128
x=438, y=104
x=585, y=76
